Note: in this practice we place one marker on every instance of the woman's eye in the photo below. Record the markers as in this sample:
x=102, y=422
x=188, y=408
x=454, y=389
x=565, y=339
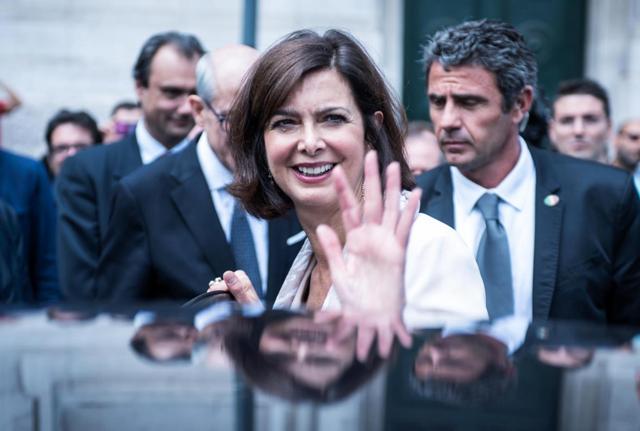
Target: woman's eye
x=282, y=124
x=335, y=118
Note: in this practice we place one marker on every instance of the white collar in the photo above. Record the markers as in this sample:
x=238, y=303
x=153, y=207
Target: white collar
x=510, y=190
x=215, y=173
x=150, y=147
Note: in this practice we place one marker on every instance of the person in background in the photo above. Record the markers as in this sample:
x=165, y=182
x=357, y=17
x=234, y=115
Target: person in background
x=627, y=146
x=580, y=123
x=14, y=281
x=421, y=146
x=25, y=187
x=67, y=133
x=554, y=236
x=7, y=104
x=124, y=117
x=165, y=76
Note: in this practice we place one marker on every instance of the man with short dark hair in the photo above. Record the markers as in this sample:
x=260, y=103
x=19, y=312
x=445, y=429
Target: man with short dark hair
x=581, y=120
x=554, y=236
x=172, y=224
x=67, y=133
x=164, y=76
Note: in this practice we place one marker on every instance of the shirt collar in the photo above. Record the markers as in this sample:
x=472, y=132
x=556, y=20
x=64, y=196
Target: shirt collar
x=511, y=189
x=215, y=173
x=150, y=147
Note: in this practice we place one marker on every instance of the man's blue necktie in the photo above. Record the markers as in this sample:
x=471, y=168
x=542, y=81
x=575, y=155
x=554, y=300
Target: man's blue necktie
x=494, y=259
x=243, y=248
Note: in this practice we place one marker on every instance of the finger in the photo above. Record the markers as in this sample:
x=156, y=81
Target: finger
x=240, y=287
x=364, y=342
x=402, y=333
x=408, y=216
x=217, y=284
x=349, y=205
x=344, y=330
x=392, y=197
x=333, y=252
x=385, y=340
x=372, y=206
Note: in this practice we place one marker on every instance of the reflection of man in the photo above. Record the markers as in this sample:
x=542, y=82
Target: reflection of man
x=124, y=117
x=627, y=145
x=580, y=124
x=554, y=236
x=67, y=133
x=422, y=148
x=172, y=226
x=460, y=358
x=165, y=77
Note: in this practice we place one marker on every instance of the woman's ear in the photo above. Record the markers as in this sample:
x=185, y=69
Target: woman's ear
x=378, y=117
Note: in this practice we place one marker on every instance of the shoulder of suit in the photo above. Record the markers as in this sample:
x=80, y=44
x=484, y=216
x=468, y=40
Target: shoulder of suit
x=428, y=179
x=586, y=171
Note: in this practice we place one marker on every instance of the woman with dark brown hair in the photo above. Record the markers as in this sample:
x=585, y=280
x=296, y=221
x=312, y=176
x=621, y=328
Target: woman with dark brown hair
x=313, y=129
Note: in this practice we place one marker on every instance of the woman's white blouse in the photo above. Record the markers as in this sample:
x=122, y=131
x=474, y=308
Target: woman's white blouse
x=442, y=280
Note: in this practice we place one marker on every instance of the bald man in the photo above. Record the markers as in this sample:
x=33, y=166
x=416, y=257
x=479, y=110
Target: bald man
x=170, y=230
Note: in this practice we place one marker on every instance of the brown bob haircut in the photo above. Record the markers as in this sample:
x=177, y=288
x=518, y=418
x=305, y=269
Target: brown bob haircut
x=276, y=74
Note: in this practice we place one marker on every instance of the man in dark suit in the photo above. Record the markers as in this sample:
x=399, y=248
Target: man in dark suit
x=14, y=280
x=164, y=76
x=25, y=187
x=564, y=234
x=171, y=226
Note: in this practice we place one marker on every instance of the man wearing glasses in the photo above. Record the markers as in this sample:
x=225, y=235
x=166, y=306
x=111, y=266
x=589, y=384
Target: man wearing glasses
x=164, y=75
x=67, y=133
x=627, y=144
x=174, y=227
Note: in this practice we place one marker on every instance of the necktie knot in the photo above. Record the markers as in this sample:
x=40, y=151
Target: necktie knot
x=488, y=206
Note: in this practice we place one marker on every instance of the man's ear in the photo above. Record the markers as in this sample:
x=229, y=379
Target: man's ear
x=139, y=88
x=197, y=109
x=523, y=103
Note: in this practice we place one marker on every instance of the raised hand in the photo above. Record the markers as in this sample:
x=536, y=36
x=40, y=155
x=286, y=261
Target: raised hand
x=369, y=275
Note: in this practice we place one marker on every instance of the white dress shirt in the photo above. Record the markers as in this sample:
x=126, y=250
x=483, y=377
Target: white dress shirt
x=636, y=178
x=517, y=215
x=218, y=177
x=442, y=281
x=150, y=148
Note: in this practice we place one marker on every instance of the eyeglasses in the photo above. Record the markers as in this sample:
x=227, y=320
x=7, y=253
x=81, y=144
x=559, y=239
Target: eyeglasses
x=64, y=148
x=223, y=119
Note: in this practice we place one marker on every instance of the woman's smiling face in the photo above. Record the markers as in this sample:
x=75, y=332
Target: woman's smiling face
x=319, y=127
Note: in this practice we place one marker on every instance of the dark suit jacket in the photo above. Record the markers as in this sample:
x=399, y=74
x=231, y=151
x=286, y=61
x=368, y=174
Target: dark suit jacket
x=14, y=281
x=165, y=240
x=587, y=247
x=25, y=187
x=84, y=189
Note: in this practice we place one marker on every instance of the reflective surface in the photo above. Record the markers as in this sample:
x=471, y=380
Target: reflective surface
x=222, y=367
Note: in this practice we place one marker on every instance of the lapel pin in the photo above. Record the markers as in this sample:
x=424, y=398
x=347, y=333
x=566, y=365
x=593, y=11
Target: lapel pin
x=551, y=200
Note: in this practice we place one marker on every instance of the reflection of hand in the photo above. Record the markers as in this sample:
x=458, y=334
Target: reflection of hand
x=369, y=277
x=237, y=283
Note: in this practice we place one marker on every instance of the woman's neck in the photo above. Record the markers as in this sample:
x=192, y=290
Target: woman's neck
x=311, y=219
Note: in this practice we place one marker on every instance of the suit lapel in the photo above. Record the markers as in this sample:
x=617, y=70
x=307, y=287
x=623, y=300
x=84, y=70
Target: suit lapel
x=440, y=205
x=281, y=254
x=127, y=159
x=193, y=200
x=548, y=224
